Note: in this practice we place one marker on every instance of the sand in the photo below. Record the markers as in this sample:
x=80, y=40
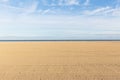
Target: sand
x=83, y=60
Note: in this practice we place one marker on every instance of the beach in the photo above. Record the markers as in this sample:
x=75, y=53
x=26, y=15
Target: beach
x=79, y=60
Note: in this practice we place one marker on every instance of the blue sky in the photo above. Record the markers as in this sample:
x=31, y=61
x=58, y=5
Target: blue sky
x=59, y=19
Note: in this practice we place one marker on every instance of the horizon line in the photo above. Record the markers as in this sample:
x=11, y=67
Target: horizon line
x=58, y=40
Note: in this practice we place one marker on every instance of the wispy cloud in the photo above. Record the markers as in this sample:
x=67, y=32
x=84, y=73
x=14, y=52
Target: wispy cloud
x=47, y=11
x=97, y=11
x=72, y=2
x=72, y=7
x=104, y=11
x=31, y=8
x=87, y=2
x=68, y=2
x=5, y=1
x=116, y=12
x=44, y=2
x=30, y=18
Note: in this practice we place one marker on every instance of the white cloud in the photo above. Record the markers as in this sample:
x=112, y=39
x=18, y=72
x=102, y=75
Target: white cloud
x=75, y=25
x=65, y=21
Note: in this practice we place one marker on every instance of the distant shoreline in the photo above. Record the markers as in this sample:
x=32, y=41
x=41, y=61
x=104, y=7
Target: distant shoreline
x=51, y=40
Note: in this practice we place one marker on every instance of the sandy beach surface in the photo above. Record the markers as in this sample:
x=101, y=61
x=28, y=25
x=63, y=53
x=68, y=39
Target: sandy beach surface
x=94, y=60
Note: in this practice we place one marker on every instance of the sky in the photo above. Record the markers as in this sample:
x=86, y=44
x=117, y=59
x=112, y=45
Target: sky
x=59, y=19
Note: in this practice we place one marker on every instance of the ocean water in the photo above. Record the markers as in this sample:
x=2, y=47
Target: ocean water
x=64, y=37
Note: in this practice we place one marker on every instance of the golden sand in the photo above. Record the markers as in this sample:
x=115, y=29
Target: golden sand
x=60, y=60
